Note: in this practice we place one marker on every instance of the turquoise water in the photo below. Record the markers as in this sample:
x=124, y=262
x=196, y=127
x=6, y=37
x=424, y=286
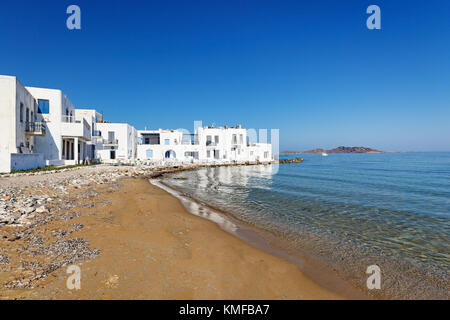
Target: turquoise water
x=350, y=210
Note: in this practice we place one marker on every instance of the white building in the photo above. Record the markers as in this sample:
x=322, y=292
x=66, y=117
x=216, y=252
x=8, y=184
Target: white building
x=119, y=142
x=20, y=125
x=42, y=127
x=92, y=117
x=207, y=144
x=66, y=138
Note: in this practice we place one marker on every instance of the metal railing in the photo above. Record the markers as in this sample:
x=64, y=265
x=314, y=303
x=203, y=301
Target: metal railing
x=35, y=127
x=192, y=143
x=69, y=119
x=110, y=141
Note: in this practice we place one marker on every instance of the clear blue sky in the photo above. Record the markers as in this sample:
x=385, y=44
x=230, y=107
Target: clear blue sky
x=310, y=68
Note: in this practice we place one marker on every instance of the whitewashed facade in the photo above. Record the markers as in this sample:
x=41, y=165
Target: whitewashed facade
x=66, y=138
x=92, y=117
x=20, y=125
x=119, y=142
x=41, y=127
x=207, y=144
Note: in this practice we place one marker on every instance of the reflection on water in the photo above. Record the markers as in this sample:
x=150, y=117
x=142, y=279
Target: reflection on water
x=199, y=210
x=383, y=207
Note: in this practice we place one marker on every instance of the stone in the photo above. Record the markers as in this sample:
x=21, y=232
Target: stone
x=42, y=209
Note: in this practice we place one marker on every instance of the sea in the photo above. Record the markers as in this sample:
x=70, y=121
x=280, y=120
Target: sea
x=349, y=212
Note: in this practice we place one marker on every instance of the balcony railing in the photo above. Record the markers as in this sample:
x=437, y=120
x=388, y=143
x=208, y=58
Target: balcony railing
x=110, y=142
x=192, y=143
x=35, y=128
x=69, y=119
x=211, y=144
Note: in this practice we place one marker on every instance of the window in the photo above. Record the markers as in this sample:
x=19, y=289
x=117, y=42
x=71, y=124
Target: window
x=234, y=139
x=147, y=141
x=208, y=154
x=43, y=106
x=149, y=154
x=27, y=116
x=266, y=154
x=166, y=142
x=241, y=139
x=21, y=112
x=216, y=139
x=208, y=140
x=192, y=154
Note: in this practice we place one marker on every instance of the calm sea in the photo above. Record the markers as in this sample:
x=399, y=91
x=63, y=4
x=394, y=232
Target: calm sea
x=348, y=210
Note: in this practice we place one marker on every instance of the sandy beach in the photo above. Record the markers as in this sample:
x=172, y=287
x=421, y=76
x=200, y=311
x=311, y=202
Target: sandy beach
x=133, y=240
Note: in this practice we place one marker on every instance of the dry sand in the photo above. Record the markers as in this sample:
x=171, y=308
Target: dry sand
x=152, y=248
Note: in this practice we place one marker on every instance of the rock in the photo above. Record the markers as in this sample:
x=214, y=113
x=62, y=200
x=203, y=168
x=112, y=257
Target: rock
x=42, y=209
x=7, y=198
x=27, y=210
x=4, y=259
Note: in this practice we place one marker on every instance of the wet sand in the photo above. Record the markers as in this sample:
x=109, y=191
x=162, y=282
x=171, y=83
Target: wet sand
x=152, y=248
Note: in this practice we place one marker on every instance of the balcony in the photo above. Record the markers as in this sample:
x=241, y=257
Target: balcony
x=190, y=143
x=69, y=119
x=211, y=144
x=110, y=142
x=76, y=129
x=35, y=128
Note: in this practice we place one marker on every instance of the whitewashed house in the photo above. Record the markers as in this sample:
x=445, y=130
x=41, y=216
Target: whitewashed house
x=42, y=127
x=92, y=117
x=167, y=144
x=207, y=144
x=66, y=138
x=119, y=142
x=20, y=125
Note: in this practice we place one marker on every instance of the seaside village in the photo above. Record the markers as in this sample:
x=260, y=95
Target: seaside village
x=41, y=127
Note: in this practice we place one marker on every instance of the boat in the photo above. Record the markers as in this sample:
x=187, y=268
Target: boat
x=324, y=154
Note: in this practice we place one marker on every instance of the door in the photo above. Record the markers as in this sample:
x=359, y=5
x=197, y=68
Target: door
x=112, y=154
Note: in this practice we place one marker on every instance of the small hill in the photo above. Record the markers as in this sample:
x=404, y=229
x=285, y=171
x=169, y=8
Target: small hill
x=343, y=149
x=290, y=152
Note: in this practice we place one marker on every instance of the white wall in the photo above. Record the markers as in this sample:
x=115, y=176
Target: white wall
x=228, y=149
x=92, y=117
x=127, y=141
x=20, y=161
x=5, y=162
x=7, y=115
x=51, y=144
x=27, y=161
x=13, y=95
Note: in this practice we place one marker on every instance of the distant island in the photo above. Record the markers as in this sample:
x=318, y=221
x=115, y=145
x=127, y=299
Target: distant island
x=340, y=149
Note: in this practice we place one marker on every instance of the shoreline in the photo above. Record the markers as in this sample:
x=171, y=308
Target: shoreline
x=399, y=274
x=261, y=239
x=133, y=240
